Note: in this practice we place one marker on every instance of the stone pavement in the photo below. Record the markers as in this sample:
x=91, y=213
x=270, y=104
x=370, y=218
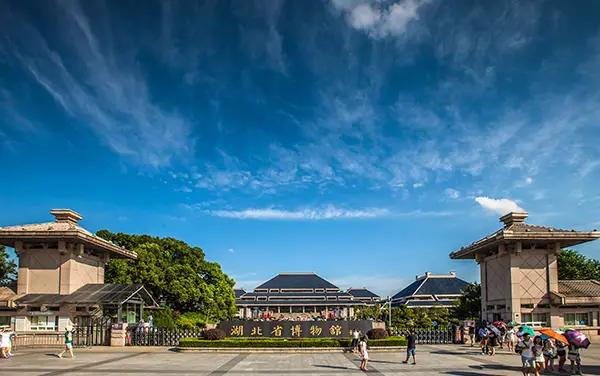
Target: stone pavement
x=432, y=360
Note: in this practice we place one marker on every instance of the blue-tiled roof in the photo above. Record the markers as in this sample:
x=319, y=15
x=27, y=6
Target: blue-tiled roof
x=441, y=286
x=362, y=293
x=430, y=284
x=297, y=281
x=238, y=292
x=408, y=290
x=429, y=303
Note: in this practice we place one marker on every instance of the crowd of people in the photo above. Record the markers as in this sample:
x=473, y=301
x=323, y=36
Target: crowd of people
x=538, y=352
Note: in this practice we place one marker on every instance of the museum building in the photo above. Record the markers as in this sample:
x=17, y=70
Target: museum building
x=301, y=296
x=60, y=279
x=519, y=276
x=431, y=290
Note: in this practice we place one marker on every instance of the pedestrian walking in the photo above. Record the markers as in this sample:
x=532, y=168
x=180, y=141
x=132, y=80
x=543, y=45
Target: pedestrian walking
x=561, y=352
x=549, y=354
x=472, y=335
x=363, y=353
x=493, y=339
x=525, y=348
x=411, y=347
x=538, y=352
x=509, y=338
x=355, y=338
x=4, y=343
x=575, y=359
x=68, y=342
x=483, y=335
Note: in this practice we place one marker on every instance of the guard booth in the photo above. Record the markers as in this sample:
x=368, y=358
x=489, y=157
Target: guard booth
x=61, y=282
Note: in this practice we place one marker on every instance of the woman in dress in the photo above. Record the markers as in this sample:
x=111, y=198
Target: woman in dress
x=509, y=338
x=538, y=352
x=362, y=345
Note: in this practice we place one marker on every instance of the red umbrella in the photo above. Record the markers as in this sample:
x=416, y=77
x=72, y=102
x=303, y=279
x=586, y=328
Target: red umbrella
x=499, y=324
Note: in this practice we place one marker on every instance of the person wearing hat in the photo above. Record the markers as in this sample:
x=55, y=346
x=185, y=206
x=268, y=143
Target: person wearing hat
x=68, y=342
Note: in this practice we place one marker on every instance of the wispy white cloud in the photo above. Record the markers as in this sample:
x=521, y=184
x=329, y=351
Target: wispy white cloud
x=328, y=212
x=452, y=193
x=104, y=91
x=499, y=206
x=380, y=19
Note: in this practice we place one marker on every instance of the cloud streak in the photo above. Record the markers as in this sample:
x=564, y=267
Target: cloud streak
x=499, y=206
x=327, y=213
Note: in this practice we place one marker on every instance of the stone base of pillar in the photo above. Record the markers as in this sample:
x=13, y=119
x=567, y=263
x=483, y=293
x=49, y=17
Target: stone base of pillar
x=118, y=335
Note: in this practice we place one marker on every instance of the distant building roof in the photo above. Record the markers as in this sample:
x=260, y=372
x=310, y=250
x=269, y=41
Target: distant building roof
x=576, y=289
x=238, y=292
x=64, y=227
x=440, y=289
x=516, y=229
x=362, y=293
x=297, y=281
x=7, y=295
x=92, y=293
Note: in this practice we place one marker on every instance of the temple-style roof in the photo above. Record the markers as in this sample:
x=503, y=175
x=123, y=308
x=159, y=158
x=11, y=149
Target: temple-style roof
x=362, y=293
x=92, y=293
x=438, y=289
x=577, y=289
x=65, y=227
x=297, y=281
x=516, y=230
x=239, y=292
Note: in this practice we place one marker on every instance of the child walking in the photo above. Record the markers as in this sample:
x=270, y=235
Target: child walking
x=68, y=342
x=362, y=345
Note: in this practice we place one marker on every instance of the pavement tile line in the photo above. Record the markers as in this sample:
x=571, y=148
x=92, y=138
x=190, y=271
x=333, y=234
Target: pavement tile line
x=352, y=358
x=90, y=365
x=222, y=370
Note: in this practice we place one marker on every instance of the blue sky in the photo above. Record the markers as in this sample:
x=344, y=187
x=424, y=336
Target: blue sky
x=360, y=140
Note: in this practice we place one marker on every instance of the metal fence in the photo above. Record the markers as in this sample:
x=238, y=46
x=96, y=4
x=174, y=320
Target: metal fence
x=158, y=336
x=427, y=336
x=95, y=333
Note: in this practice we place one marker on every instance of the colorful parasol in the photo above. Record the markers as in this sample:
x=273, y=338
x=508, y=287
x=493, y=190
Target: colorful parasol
x=525, y=329
x=577, y=338
x=512, y=324
x=495, y=330
x=553, y=334
x=499, y=324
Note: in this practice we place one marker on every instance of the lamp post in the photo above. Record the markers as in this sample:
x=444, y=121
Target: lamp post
x=390, y=313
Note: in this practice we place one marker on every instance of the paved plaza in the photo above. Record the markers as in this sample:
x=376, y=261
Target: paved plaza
x=432, y=359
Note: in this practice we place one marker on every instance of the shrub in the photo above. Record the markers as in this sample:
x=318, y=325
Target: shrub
x=191, y=321
x=213, y=334
x=245, y=342
x=377, y=333
x=162, y=318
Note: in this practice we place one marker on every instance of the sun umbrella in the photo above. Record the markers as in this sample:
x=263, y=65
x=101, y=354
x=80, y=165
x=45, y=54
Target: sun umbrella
x=499, y=324
x=512, y=323
x=577, y=338
x=525, y=329
x=495, y=330
x=553, y=334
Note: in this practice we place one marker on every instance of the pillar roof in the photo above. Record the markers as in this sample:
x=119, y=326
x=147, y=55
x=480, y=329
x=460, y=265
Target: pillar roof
x=515, y=229
x=66, y=228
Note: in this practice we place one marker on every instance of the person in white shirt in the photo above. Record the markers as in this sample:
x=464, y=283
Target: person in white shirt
x=362, y=345
x=5, y=342
x=355, y=338
x=525, y=348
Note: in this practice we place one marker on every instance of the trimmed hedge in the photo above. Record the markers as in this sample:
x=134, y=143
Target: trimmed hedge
x=285, y=342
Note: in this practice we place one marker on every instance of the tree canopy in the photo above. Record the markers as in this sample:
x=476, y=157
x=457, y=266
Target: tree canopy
x=8, y=268
x=574, y=265
x=173, y=272
x=468, y=305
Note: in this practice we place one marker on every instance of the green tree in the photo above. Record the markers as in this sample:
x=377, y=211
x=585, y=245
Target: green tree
x=8, y=268
x=574, y=265
x=468, y=306
x=175, y=272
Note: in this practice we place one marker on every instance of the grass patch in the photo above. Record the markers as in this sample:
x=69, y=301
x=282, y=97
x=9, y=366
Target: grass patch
x=285, y=342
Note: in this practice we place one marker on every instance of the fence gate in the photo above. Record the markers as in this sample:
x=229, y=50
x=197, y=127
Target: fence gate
x=138, y=336
x=95, y=332
x=429, y=336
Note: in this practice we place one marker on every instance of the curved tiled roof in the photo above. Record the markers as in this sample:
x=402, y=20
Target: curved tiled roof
x=431, y=284
x=582, y=288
